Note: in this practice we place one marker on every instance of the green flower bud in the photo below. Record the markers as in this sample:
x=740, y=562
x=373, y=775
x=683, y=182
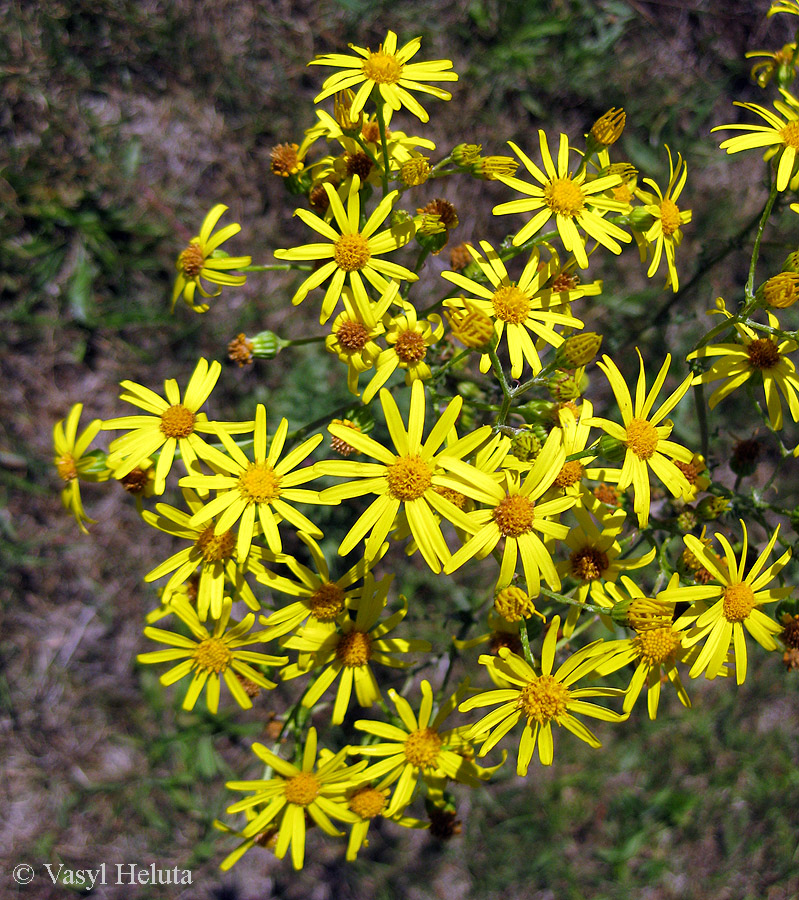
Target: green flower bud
x=525, y=445
x=578, y=350
x=267, y=345
x=611, y=449
x=712, y=507
x=466, y=154
x=791, y=263
x=563, y=385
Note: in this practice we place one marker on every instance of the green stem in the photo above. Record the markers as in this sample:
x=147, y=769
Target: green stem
x=381, y=124
x=528, y=653
x=507, y=394
x=750, y=281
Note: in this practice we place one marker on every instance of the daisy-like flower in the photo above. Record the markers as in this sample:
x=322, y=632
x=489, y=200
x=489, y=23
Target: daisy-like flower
x=665, y=234
x=575, y=433
x=368, y=802
x=721, y=611
x=654, y=651
x=782, y=134
x=349, y=651
x=646, y=441
x=317, y=790
x=172, y=424
x=352, y=338
x=203, y=261
x=409, y=339
x=207, y=655
x=520, y=308
x=514, y=514
x=322, y=601
x=595, y=556
x=390, y=71
x=352, y=253
x=407, y=478
x=73, y=464
x=211, y=556
x=755, y=355
x=571, y=199
x=419, y=750
x=542, y=699
x=261, y=486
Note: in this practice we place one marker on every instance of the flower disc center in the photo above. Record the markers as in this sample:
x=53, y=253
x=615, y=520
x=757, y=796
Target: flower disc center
x=570, y=474
x=514, y=515
x=259, y=484
x=352, y=336
x=421, y=747
x=544, y=699
x=739, y=601
x=212, y=655
x=589, y=563
x=642, y=438
x=790, y=134
x=511, y=304
x=191, y=260
x=354, y=649
x=669, y=217
x=408, y=478
x=302, y=789
x=177, y=421
x=382, y=68
x=763, y=353
x=563, y=196
x=656, y=645
x=410, y=346
x=65, y=464
x=327, y=601
x=367, y=802
x=351, y=252
x=215, y=547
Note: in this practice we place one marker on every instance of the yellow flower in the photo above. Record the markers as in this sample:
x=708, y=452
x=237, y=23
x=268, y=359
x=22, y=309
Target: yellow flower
x=646, y=441
x=322, y=601
x=572, y=199
x=406, y=479
x=212, y=555
x=781, y=133
x=349, y=651
x=654, y=651
x=783, y=6
x=390, y=71
x=665, y=233
x=409, y=338
x=200, y=262
x=210, y=654
x=756, y=355
x=73, y=464
x=513, y=514
x=420, y=749
x=542, y=699
x=595, y=555
x=352, y=253
x=172, y=424
x=720, y=612
x=290, y=794
x=521, y=309
x=259, y=486
x=352, y=336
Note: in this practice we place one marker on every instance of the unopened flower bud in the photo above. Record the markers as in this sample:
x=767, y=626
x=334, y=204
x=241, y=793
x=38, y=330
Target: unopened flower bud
x=525, y=445
x=566, y=385
x=640, y=219
x=578, y=350
x=415, y=171
x=267, y=345
x=490, y=167
x=611, y=449
x=342, y=104
x=608, y=127
x=514, y=604
x=642, y=613
x=712, y=507
x=472, y=327
x=782, y=290
x=466, y=154
x=791, y=263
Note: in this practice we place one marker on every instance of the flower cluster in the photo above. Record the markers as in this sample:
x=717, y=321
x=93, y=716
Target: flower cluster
x=555, y=498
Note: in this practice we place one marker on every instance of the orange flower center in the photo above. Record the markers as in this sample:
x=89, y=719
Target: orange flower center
x=352, y=336
x=642, y=438
x=177, y=421
x=790, y=134
x=564, y=197
x=351, y=252
x=327, y=601
x=191, y=260
x=354, y=649
x=669, y=216
x=302, y=789
x=514, y=515
x=66, y=467
x=259, y=484
x=763, y=353
x=212, y=655
x=656, y=645
x=739, y=601
x=589, y=563
x=410, y=346
x=511, y=304
x=215, y=547
x=367, y=802
x=382, y=67
x=570, y=474
x=421, y=747
x=408, y=478
x=544, y=699
x=456, y=498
